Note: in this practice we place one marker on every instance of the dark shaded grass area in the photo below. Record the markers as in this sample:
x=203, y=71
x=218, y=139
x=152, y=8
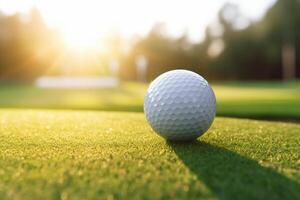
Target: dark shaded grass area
x=228, y=174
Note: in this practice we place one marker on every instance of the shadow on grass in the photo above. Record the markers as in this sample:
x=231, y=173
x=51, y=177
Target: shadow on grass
x=232, y=176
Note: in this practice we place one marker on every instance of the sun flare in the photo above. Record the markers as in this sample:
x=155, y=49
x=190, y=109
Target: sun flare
x=82, y=26
x=81, y=39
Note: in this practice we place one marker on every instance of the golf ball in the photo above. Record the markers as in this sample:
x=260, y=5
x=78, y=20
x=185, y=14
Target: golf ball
x=180, y=105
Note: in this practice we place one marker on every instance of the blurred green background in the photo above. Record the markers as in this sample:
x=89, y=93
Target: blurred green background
x=261, y=100
x=253, y=65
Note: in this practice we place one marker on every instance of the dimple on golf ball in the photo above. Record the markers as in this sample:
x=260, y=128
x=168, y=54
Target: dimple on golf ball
x=180, y=105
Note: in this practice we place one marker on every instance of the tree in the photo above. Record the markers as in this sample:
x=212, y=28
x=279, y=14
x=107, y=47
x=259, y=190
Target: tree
x=27, y=48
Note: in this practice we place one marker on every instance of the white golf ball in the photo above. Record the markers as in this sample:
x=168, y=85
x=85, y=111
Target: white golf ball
x=180, y=105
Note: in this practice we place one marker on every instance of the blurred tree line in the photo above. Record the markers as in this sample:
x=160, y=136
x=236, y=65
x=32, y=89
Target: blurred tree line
x=27, y=46
x=254, y=52
x=235, y=49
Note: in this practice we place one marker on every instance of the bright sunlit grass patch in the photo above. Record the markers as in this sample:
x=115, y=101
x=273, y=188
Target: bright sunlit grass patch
x=91, y=155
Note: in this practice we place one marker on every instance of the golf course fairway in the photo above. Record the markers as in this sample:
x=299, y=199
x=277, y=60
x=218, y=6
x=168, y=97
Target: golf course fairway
x=115, y=155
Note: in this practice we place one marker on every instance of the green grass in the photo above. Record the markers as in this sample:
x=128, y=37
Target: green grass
x=237, y=99
x=114, y=155
x=127, y=97
x=259, y=100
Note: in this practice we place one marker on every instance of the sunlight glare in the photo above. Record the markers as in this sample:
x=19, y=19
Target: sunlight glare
x=81, y=38
x=80, y=22
x=81, y=25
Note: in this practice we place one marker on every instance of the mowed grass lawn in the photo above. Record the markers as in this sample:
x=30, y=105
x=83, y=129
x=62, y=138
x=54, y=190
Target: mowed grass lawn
x=237, y=99
x=51, y=154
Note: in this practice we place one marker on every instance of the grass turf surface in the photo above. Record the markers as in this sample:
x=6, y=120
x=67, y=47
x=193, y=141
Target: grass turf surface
x=238, y=99
x=88, y=155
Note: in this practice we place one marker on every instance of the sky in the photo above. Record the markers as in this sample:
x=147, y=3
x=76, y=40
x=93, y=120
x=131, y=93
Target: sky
x=87, y=19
